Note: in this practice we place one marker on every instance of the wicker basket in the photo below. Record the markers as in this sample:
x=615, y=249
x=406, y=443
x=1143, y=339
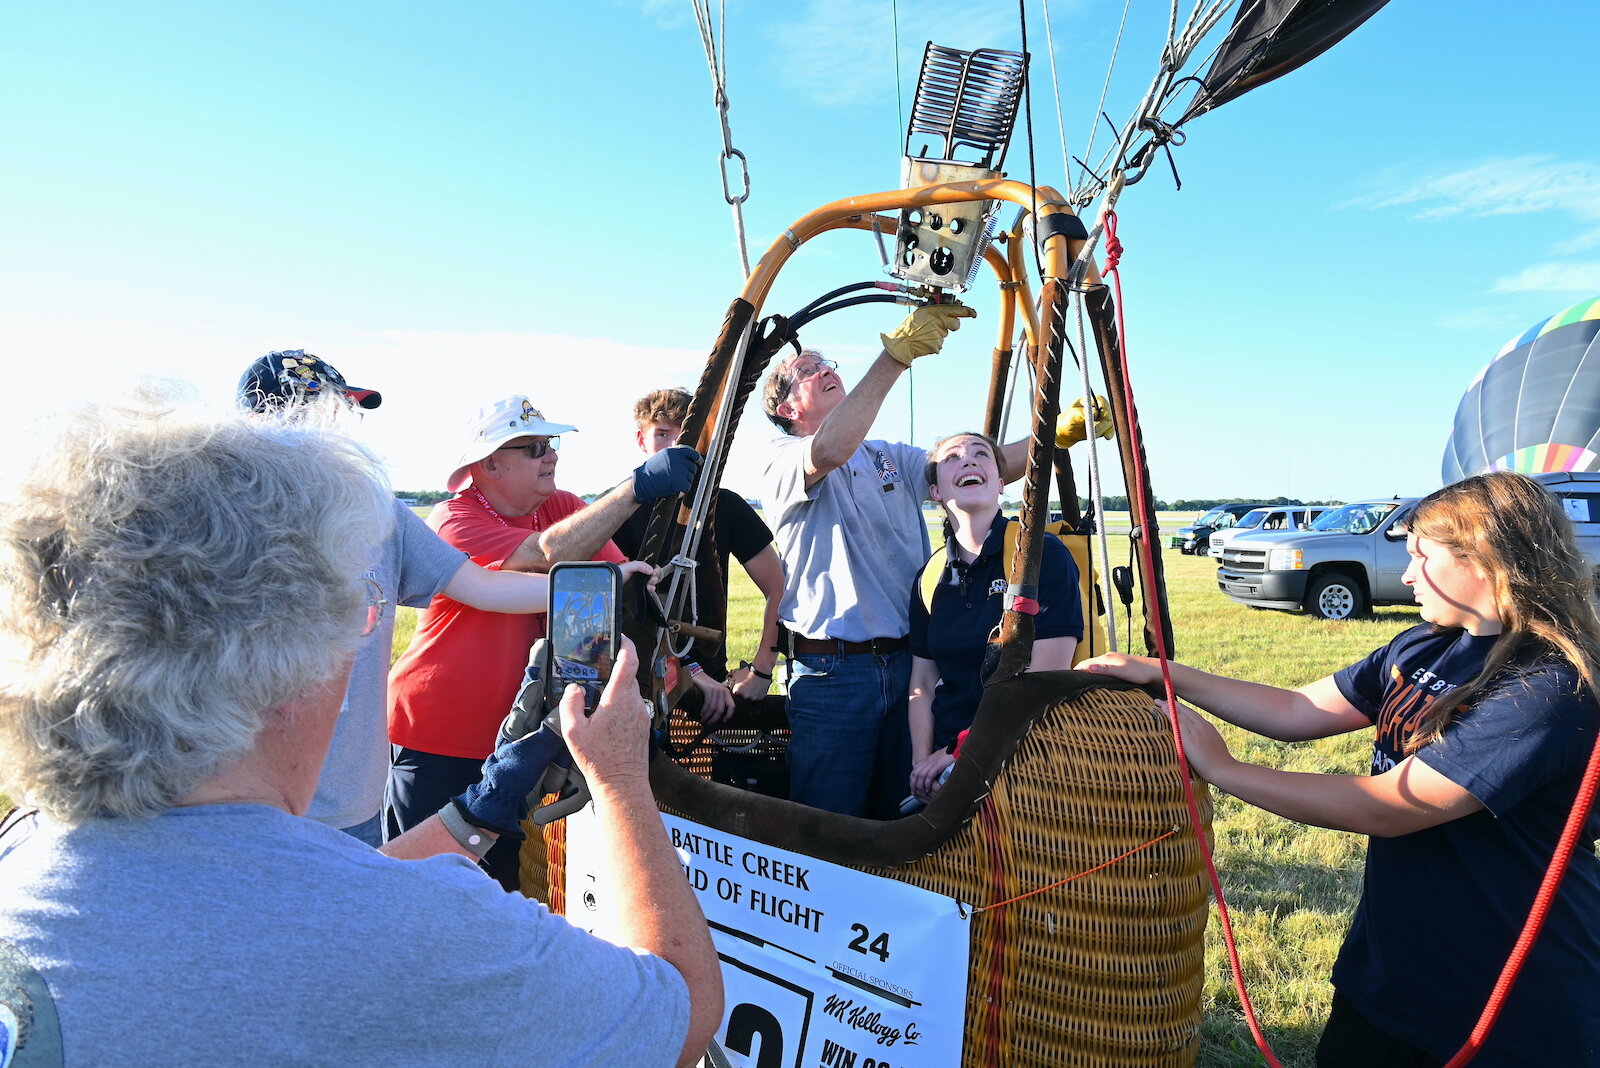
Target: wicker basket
x=1103, y=970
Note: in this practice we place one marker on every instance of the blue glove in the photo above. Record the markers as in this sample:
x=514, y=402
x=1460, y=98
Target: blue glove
x=668, y=472
x=499, y=802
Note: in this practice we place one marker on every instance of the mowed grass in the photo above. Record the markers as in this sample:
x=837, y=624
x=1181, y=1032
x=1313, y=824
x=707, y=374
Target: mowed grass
x=1290, y=888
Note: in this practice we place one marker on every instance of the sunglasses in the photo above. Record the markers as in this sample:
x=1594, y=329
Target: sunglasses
x=534, y=449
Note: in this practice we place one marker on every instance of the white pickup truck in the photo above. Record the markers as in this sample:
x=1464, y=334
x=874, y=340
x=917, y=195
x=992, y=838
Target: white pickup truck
x=1262, y=520
x=1352, y=558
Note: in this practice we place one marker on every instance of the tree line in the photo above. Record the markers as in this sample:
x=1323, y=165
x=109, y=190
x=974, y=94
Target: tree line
x=1186, y=504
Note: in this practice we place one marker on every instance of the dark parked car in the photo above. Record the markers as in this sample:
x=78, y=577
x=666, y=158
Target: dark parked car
x=1196, y=536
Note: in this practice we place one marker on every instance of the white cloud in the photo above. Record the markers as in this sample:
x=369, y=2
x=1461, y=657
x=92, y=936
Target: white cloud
x=1520, y=185
x=840, y=52
x=1510, y=186
x=1576, y=278
x=431, y=381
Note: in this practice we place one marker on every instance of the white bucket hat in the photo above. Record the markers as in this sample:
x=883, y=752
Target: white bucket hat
x=505, y=420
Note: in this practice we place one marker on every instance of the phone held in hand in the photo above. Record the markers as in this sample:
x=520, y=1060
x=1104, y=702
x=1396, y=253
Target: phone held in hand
x=583, y=627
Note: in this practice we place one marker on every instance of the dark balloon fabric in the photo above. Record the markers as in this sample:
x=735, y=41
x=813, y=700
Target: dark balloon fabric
x=1270, y=38
x=1536, y=407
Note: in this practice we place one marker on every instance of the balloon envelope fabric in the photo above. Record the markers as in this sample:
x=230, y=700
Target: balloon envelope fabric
x=1536, y=406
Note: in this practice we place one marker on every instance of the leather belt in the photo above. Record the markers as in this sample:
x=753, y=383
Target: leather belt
x=833, y=646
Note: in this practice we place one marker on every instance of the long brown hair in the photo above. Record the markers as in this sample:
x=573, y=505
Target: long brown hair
x=1513, y=531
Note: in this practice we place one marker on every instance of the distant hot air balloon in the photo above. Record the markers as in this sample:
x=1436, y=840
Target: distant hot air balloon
x=1536, y=407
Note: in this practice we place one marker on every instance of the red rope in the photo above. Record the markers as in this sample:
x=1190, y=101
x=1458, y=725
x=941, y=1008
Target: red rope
x=1114, y=255
x=1072, y=878
x=1536, y=916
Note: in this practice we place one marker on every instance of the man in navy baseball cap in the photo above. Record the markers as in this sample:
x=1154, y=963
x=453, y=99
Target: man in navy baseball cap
x=294, y=376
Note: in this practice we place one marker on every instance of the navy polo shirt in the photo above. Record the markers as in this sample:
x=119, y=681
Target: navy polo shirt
x=967, y=605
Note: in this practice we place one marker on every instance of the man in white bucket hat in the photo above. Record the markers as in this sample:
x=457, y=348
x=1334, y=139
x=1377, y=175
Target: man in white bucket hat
x=451, y=689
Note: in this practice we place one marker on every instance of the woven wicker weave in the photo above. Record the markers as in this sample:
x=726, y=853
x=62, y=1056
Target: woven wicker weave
x=544, y=850
x=1105, y=970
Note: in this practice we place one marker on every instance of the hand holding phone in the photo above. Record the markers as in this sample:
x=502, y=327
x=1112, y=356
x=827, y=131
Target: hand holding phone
x=583, y=628
x=610, y=741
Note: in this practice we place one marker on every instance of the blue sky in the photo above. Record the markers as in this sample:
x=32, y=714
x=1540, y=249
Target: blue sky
x=453, y=203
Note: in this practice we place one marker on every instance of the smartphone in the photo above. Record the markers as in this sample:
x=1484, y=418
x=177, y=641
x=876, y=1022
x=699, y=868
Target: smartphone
x=582, y=625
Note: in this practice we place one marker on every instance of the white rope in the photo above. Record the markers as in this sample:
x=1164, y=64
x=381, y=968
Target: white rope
x=1055, y=83
x=717, y=61
x=1019, y=352
x=1081, y=196
x=1175, y=55
x=1096, y=496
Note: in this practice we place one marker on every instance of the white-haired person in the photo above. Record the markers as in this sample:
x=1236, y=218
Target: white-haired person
x=1483, y=718
x=952, y=635
x=180, y=602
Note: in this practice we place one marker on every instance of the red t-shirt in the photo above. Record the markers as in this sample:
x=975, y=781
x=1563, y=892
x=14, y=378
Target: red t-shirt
x=449, y=691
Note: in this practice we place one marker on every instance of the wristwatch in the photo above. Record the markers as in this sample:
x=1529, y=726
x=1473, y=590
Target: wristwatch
x=474, y=840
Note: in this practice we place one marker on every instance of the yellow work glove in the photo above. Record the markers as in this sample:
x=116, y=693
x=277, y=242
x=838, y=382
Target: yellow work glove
x=1071, y=426
x=923, y=331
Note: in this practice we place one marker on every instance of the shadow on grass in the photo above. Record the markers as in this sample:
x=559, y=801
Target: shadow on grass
x=1279, y=888
x=1225, y=1042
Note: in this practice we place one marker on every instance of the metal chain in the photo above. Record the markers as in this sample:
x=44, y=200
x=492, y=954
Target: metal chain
x=716, y=59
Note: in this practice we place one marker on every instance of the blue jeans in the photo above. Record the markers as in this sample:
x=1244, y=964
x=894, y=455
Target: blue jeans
x=851, y=748
x=370, y=831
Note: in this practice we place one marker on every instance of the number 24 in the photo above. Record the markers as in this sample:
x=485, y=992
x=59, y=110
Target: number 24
x=878, y=947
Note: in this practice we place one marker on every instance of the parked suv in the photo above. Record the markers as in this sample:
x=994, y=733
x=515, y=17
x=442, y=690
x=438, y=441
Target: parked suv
x=1260, y=520
x=1351, y=559
x=1194, y=538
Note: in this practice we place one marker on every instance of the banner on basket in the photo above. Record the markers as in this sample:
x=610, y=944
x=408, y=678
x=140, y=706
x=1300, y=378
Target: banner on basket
x=823, y=966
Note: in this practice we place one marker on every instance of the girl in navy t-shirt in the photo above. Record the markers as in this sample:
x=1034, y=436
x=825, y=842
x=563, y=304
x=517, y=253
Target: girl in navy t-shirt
x=1483, y=720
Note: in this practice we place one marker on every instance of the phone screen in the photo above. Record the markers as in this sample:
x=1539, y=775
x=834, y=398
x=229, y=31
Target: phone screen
x=582, y=627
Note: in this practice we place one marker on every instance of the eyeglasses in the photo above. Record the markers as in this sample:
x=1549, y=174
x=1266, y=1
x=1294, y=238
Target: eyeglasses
x=803, y=371
x=375, y=605
x=536, y=448
x=800, y=372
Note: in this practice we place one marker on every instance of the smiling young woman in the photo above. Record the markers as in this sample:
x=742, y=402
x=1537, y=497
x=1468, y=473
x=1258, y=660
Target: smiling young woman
x=950, y=635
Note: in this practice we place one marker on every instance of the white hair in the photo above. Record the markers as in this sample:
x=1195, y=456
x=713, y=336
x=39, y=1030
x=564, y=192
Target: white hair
x=166, y=581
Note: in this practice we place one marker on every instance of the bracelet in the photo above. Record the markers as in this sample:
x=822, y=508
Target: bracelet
x=468, y=837
x=694, y=669
x=757, y=672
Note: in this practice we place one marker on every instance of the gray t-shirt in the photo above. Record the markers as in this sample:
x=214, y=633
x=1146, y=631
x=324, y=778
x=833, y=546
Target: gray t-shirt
x=241, y=935
x=852, y=543
x=413, y=565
